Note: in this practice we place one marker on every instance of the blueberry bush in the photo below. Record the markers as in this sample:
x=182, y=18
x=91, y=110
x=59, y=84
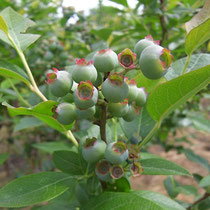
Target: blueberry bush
x=109, y=105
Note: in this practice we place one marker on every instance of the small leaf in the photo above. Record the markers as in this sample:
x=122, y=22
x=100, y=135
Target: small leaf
x=139, y=200
x=35, y=188
x=196, y=61
x=205, y=182
x=169, y=95
x=197, y=158
x=103, y=33
x=122, y=2
x=17, y=24
x=170, y=185
x=68, y=162
x=42, y=111
x=51, y=147
x=197, y=37
x=161, y=166
x=12, y=71
x=27, y=122
x=3, y=25
x=3, y=157
x=199, y=18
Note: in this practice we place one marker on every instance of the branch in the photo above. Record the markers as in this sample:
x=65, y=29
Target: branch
x=206, y=195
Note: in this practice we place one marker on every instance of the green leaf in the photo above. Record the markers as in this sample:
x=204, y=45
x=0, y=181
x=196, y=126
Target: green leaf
x=17, y=25
x=3, y=25
x=139, y=200
x=27, y=122
x=145, y=155
x=12, y=71
x=169, y=95
x=197, y=158
x=205, y=182
x=186, y=189
x=170, y=185
x=35, y=188
x=148, y=84
x=122, y=2
x=51, y=147
x=68, y=162
x=161, y=166
x=159, y=199
x=42, y=111
x=103, y=33
x=3, y=157
x=197, y=37
x=199, y=18
x=196, y=61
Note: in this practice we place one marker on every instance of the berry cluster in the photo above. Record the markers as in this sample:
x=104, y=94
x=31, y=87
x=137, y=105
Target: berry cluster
x=96, y=83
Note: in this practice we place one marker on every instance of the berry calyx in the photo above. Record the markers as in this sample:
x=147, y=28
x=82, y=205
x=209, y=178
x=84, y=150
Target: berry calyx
x=117, y=172
x=60, y=82
x=65, y=113
x=114, y=88
x=105, y=60
x=102, y=170
x=144, y=43
x=154, y=61
x=127, y=59
x=84, y=71
x=86, y=95
x=116, y=152
x=136, y=169
x=93, y=150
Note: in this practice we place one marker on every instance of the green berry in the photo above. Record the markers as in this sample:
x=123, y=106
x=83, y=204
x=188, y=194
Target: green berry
x=141, y=97
x=105, y=60
x=144, y=43
x=65, y=113
x=118, y=109
x=102, y=170
x=93, y=150
x=116, y=152
x=68, y=98
x=86, y=95
x=86, y=113
x=132, y=90
x=84, y=71
x=154, y=61
x=114, y=88
x=131, y=114
x=60, y=82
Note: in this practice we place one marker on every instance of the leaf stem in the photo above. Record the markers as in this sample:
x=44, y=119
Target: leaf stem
x=186, y=63
x=18, y=94
x=34, y=86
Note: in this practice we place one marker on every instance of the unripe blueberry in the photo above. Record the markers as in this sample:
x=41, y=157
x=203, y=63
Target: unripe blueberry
x=144, y=43
x=154, y=61
x=86, y=113
x=105, y=60
x=103, y=170
x=84, y=71
x=68, y=98
x=117, y=171
x=86, y=95
x=136, y=169
x=127, y=59
x=60, y=82
x=141, y=97
x=65, y=113
x=131, y=114
x=114, y=88
x=93, y=150
x=116, y=152
x=132, y=90
x=118, y=109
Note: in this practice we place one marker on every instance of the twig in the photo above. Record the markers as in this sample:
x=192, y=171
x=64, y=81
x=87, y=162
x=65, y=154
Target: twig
x=206, y=195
